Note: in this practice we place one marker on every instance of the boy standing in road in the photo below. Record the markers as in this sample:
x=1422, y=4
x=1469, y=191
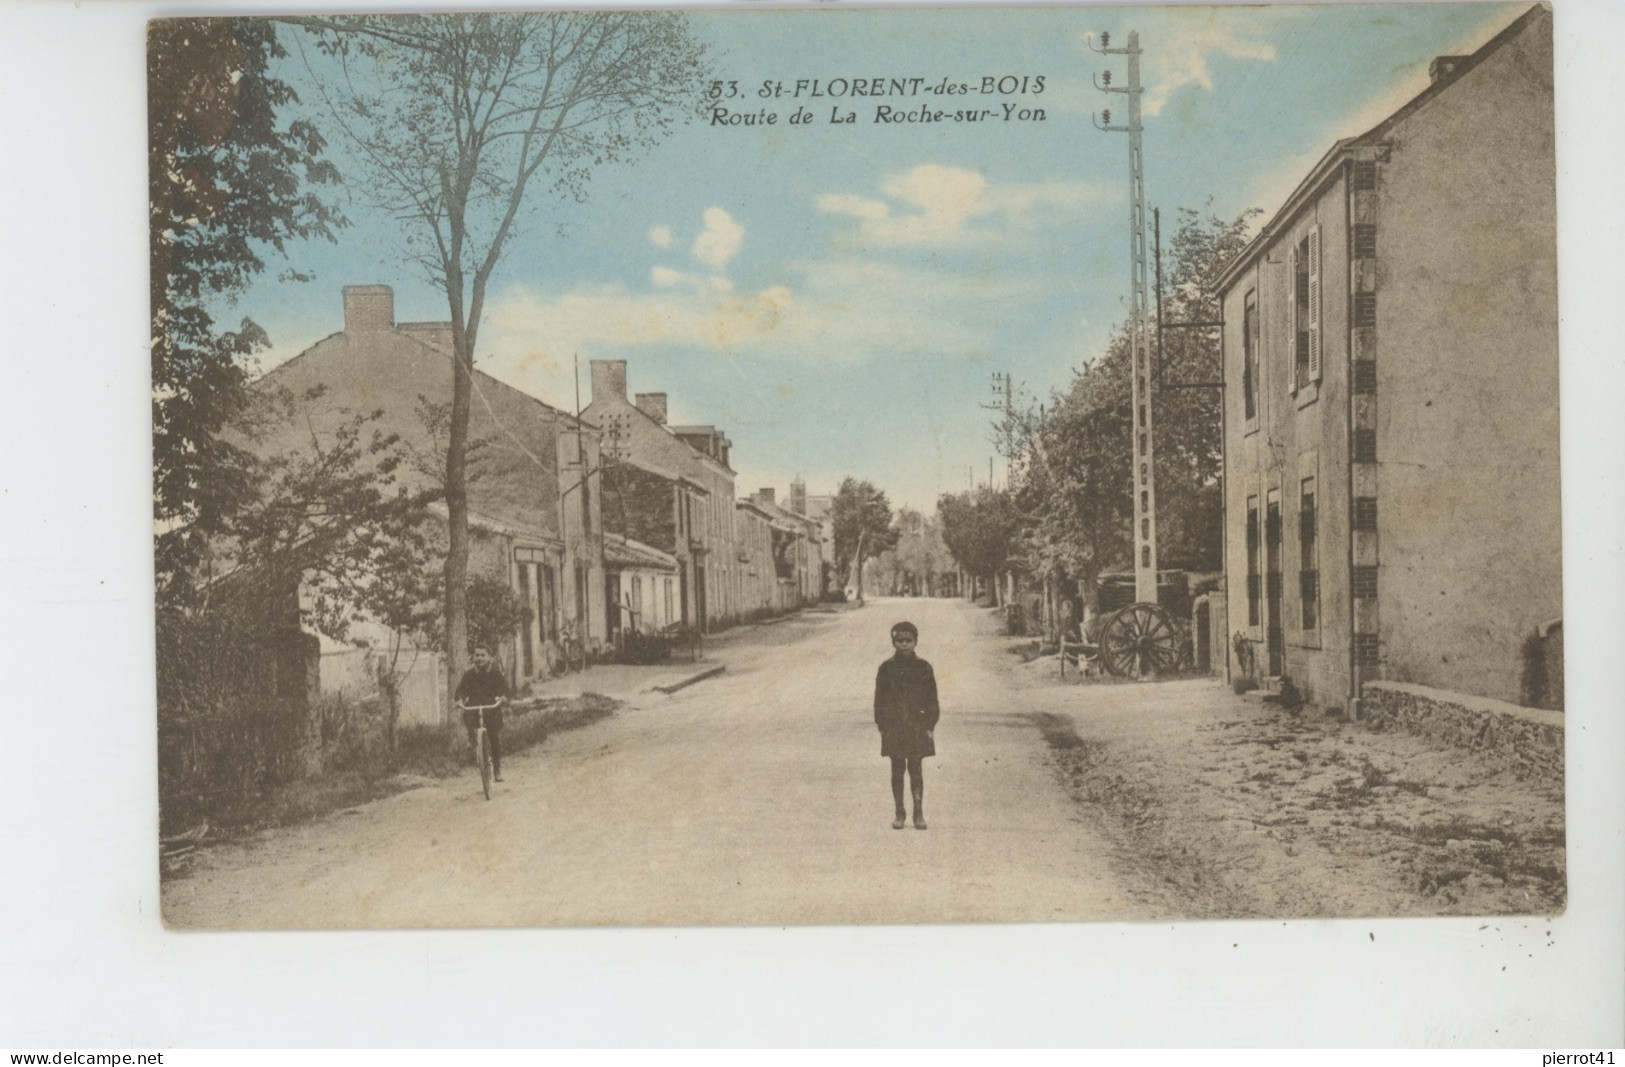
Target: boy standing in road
x=483, y=683
x=906, y=713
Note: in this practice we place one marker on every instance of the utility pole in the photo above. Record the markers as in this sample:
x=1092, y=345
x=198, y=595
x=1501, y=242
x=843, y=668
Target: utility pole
x=1005, y=404
x=583, y=581
x=1144, y=466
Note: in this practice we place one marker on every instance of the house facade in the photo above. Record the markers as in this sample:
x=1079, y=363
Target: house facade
x=672, y=489
x=532, y=528
x=1391, y=424
x=640, y=587
x=782, y=551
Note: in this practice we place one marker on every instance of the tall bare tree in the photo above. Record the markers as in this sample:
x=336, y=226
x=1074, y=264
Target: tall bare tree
x=458, y=119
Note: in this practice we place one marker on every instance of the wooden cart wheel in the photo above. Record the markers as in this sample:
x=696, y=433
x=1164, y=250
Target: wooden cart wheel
x=1141, y=639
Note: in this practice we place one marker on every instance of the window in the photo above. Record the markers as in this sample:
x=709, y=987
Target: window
x=1365, y=583
x=1303, y=310
x=1365, y=513
x=1249, y=357
x=1308, y=556
x=1252, y=561
x=1274, y=639
x=1365, y=446
x=526, y=652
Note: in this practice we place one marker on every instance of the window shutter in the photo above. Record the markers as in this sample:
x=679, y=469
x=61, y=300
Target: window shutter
x=1314, y=304
x=1292, y=321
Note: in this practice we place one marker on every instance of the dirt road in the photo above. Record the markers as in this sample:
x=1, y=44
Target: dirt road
x=755, y=797
x=759, y=797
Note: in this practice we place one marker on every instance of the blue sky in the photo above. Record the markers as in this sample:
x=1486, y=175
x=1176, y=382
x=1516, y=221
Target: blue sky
x=836, y=297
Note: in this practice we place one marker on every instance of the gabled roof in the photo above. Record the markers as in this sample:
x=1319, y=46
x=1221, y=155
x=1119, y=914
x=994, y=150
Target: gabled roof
x=403, y=331
x=674, y=432
x=1326, y=169
x=625, y=552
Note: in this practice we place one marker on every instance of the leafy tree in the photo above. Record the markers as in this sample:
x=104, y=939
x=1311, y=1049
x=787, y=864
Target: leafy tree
x=226, y=182
x=861, y=517
x=330, y=521
x=1076, y=486
x=404, y=596
x=456, y=116
x=919, y=558
x=980, y=529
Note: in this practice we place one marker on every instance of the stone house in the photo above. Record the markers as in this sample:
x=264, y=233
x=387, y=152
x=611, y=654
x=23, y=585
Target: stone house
x=1391, y=422
x=818, y=509
x=640, y=587
x=759, y=579
x=796, y=546
x=672, y=489
x=528, y=526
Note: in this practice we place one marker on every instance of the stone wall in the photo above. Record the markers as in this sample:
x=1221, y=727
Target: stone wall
x=1530, y=740
x=638, y=504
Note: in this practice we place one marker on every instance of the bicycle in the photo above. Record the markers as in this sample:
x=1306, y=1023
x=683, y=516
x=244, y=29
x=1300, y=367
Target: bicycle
x=572, y=649
x=482, y=743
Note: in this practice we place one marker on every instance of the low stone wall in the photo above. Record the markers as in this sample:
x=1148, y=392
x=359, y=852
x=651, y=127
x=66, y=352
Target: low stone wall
x=1527, y=739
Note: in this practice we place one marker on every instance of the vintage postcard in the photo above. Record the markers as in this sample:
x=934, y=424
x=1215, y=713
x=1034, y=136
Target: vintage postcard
x=842, y=465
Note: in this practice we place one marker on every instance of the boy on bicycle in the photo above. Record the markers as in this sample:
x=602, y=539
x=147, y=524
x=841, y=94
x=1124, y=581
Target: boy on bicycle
x=483, y=683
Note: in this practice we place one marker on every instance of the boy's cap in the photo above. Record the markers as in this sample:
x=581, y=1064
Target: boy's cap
x=905, y=628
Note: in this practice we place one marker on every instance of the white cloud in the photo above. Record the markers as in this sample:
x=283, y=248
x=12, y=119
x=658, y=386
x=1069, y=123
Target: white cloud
x=721, y=239
x=933, y=204
x=844, y=309
x=660, y=236
x=665, y=277
x=1185, y=59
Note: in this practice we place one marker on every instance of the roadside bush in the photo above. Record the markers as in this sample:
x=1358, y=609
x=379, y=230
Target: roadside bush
x=233, y=716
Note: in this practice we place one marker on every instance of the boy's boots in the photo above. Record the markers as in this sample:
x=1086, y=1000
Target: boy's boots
x=919, y=807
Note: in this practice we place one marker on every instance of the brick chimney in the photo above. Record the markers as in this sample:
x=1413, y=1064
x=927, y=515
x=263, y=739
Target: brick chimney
x=608, y=379
x=766, y=495
x=798, y=497
x=653, y=405
x=1444, y=66
x=368, y=307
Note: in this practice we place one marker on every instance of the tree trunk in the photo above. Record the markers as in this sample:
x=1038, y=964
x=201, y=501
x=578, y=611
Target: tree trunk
x=456, y=571
x=858, y=560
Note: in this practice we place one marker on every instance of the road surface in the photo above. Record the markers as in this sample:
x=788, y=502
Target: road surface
x=755, y=797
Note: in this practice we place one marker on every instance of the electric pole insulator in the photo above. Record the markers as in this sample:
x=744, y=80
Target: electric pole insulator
x=1145, y=499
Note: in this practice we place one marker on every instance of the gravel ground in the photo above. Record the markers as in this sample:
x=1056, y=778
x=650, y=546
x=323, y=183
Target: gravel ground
x=1220, y=807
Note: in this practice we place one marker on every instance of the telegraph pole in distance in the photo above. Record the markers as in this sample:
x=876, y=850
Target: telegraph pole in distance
x=1144, y=467
x=1004, y=390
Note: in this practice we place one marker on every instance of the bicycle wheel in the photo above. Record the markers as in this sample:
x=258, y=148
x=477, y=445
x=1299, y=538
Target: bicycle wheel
x=483, y=746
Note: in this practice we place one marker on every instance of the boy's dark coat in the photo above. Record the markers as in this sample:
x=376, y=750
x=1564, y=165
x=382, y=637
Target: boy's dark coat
x=906, y=707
